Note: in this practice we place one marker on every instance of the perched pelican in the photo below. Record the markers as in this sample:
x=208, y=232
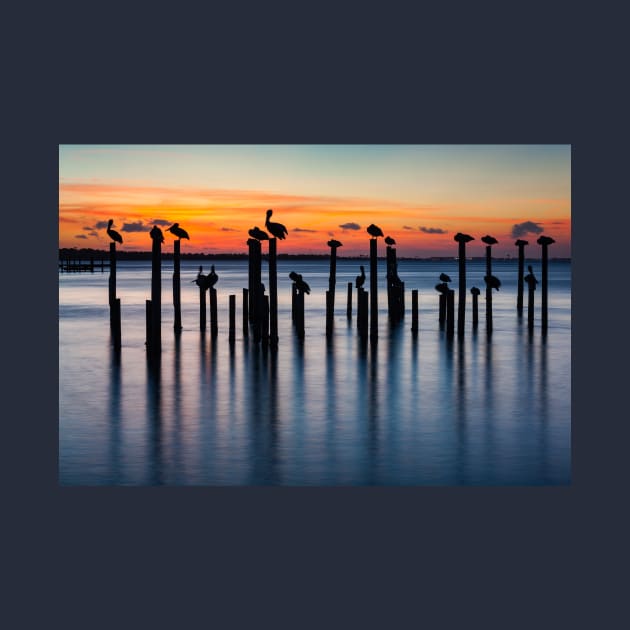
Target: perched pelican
x=545, y=240
x=300, y=284
x=112, y=233
x=333, y=243
x=277, y=229
x=156, y=234
x=389, y=240
x=463, y=238
x=374, y=230
x=492, y=281
x=442, y=288
x=360, y=280
x=258, y=234
x=445, y=278
x=211, y=278
x=475, y=291
x=489, y=240
x=530, y=278
x=521, y=242
x=177, y=231
x=200, y=280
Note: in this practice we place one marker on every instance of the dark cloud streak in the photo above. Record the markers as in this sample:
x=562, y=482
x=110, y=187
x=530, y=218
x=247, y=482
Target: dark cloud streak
x=527, y=227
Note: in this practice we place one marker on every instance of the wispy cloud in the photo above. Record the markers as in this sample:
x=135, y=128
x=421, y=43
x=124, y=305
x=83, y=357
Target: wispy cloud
x=137, y=226
x=407, y=227
x=350, y=226
x=161, y=222
x=80, y=236
x=298, y=229
x=432, y=230
x=527, y=227
x=229, y=229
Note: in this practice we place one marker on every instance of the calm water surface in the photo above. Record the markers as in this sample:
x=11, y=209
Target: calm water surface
x=406, y=411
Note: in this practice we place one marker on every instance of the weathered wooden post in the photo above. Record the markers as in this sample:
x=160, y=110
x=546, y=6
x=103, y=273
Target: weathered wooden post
x=114, y=302
x=273, y=294
x=213, y=312
x=332, y=281
x=156, y=289
x=265, y=320
x=177, y=323
x=329, y=312
x=362, y=317
x=475, y=306
x=390, y=256
x=255, y=282
x=373, y=291
x=200, y=281
x=442, y=289
x=245, y=313
x=349, y=304
x=521, y=271
x=232, y=326
x=299, y=314
x=414, y=310
x=544, y=241
x=450, y=312
x=489, y=241
x=462, y=239
x=115, y=309
x=531, y=284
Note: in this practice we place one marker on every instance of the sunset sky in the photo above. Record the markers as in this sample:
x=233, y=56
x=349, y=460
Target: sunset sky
x=421, y=195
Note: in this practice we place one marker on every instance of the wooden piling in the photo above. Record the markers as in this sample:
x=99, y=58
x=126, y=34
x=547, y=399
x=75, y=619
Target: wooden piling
x=299, y=314
x=245, y=313
x=273, y=293
x=373, y=290
x=264, y=337
x=156, y=295
x=362, y=317
x=414, y=310
x=488, y=289
x=329, y=312
x=349, y=304
x=450, y=312
x=213, y=312
x=530, y=306
x=202, y=309
x=461, y=303
x=112, y=273
x=177, y=304
x=544, y=241
x=115, y=324
x=442, y=310
x=232, y=326
x=475, y=309
x=359, y=308
x=521, y=272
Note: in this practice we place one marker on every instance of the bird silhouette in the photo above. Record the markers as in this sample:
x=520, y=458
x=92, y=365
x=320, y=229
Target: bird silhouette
x=277, y=229
x=258, y=234
x=112, y=233
x=177, y=231
x=492, y=281
x=463, y=238
x=200, y=280
x=489, y=240
x=374, y=230
x=156, y=234
x=333, y=243
x=545, y=240
x=360, y=280
x=530, y=278
x=211, y=278
x=475, y=290
x=300, y=284
x=389, y=240
x=442, y=288
x=445, y=278
x=521, y=242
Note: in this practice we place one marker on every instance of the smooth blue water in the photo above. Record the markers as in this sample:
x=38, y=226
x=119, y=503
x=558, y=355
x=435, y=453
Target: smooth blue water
x=406, y=411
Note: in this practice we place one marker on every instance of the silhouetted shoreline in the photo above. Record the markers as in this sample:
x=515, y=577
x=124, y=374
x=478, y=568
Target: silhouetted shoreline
x=86, y=253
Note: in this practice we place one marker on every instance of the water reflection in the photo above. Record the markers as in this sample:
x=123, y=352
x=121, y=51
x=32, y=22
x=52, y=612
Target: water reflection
x=460, y=414
x=115, y=418
x=155, y=467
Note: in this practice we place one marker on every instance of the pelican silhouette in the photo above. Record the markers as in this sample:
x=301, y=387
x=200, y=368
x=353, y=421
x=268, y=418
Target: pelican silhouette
x=389, y=240
x=258, y=234
x=489, y=240
x=530, y=278
x=463, y=238
x=300, y=284
x=374, y=230
x=277, y=229
x=177, y=231
x=360, y=280
x=334, y=243
x=200, y=280
x=156, y=234
x=475, y=290
x=211, y=278
x=445, y=278
x=545, y=240
x=492, y=281
x=442, y=288
x=112, y=233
